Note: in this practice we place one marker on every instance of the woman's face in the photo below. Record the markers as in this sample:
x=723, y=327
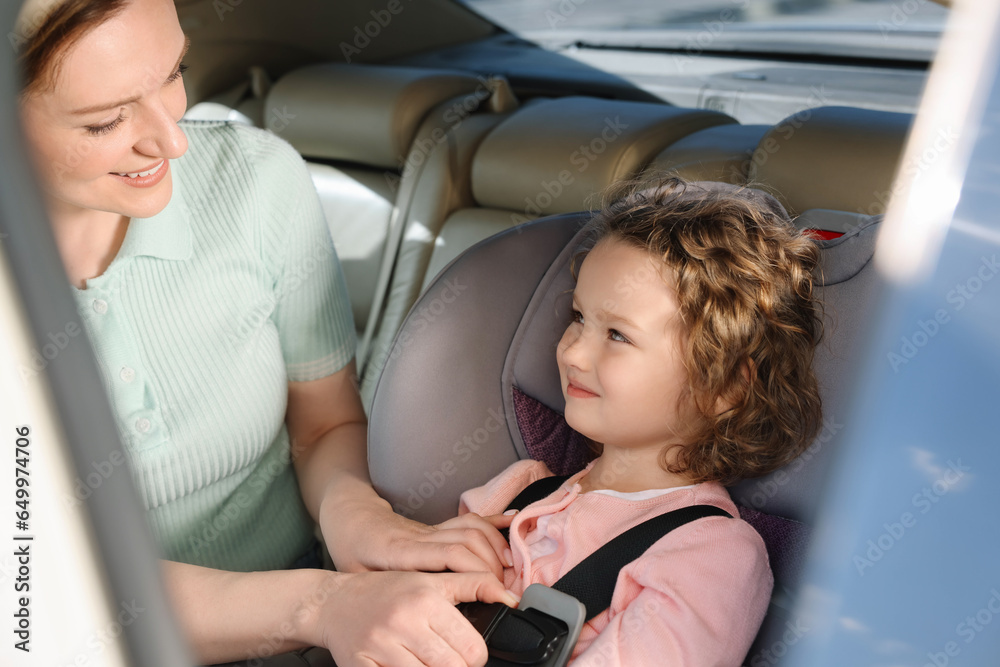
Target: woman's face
x=104, y=133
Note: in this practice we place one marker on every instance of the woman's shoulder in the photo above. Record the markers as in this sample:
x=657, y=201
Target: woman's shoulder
x=238, y=147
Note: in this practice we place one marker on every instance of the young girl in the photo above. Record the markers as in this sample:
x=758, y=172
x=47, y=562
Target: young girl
x=688, y=358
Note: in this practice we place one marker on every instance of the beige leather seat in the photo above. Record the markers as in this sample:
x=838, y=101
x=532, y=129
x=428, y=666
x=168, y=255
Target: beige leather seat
x=830, y=165
x=551, y=156
x=365, y=132
x=722, y=153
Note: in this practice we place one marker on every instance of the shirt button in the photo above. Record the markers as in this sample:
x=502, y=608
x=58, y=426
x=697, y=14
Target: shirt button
x=101, y=306
x=142, y=425
x=127, y=374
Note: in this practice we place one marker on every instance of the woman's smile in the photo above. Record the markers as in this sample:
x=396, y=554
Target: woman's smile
x=146, y=178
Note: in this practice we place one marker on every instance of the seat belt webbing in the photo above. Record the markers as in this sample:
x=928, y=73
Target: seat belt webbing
x=592, y=581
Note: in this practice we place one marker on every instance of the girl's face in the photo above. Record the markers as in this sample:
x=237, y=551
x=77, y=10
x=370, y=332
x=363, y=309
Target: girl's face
x=619, y=361
x=104, y=133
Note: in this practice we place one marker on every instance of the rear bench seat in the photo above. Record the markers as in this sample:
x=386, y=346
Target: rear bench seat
x=551, y=156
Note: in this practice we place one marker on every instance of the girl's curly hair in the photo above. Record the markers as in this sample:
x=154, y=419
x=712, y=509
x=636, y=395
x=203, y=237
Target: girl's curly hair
x=744, y=280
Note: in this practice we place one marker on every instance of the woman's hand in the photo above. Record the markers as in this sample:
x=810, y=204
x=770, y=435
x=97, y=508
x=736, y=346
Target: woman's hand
x=376, y=538
x=401, y=619
x=377, y=618
x=327, y=427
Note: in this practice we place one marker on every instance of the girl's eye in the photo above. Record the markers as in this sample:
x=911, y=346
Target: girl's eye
x=617, y=336
x=578, y=317
x=98, y=130
x=178, y=74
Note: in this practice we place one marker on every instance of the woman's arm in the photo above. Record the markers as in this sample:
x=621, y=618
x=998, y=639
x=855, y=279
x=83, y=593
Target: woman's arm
x=363, y=619
x=328, y=431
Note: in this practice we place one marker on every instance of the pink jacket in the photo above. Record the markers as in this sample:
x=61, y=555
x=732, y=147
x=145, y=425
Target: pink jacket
x=695, y=598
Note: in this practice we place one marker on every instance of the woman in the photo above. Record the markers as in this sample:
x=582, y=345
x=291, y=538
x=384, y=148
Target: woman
x=205, y=276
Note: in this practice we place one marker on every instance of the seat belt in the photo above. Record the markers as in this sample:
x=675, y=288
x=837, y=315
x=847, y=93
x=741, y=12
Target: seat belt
x=592, y=581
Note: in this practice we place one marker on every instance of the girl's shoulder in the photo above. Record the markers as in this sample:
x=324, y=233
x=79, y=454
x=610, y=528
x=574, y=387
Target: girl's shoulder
x=494, y=496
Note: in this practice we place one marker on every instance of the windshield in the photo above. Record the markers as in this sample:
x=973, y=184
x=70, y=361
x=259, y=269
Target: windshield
x=905, y=29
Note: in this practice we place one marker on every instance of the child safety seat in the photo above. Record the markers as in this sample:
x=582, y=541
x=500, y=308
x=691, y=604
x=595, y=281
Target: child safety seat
x=471, y=386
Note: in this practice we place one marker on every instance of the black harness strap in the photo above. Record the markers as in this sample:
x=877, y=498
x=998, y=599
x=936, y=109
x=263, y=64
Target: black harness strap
x=592, y=581
x=540, y=488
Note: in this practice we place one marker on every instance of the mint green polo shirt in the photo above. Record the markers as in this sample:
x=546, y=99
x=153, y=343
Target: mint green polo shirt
x=206, y=313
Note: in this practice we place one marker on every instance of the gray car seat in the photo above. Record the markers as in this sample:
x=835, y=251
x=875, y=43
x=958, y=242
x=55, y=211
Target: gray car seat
x=474, y=386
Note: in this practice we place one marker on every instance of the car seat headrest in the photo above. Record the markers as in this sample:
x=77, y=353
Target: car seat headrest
x=836, y=158
x=361, y=113
x=567, y=149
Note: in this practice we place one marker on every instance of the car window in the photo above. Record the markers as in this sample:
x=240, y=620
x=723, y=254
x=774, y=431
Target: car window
x=910, y=28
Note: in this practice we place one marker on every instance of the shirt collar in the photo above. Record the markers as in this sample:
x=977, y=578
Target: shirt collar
x=167, y=234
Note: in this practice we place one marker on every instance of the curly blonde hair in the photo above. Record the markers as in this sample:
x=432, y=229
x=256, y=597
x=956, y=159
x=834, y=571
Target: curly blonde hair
x=744, y=280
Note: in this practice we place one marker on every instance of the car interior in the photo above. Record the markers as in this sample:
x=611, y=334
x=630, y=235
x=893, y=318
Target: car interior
x=434, y=158
x=457, y=160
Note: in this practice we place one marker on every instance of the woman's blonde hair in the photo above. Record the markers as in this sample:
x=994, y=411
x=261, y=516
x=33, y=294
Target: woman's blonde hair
x=744, y=280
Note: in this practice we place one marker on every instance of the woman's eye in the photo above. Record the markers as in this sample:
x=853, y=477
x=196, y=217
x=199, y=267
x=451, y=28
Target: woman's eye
x=98, y=130
x=178, y=74
x=613, y=334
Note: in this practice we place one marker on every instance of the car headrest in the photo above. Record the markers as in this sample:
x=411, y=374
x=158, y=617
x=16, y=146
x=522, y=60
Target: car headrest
x=471, y=384
x=836, y=158
x=362, y=113
x=568, y=148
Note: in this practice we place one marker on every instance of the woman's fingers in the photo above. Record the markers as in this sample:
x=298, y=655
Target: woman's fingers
x=489, y=531
x=499, y=521
x=405, y=619
x=457, y=634
x=442, y=555
x=470, y=586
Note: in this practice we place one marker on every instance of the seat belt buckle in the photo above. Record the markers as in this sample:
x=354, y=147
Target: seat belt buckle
x=541, y=632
